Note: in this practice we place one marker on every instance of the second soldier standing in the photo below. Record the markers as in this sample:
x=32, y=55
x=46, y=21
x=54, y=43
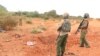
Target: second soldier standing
x=63, y=35
x=84, y=28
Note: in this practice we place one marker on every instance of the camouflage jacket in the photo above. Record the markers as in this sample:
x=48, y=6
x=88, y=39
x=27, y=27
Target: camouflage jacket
x=84, y=25
x=62, y=25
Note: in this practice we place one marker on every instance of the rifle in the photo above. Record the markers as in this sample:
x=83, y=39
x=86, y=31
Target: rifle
x=58, y=36
x=59, y=30
x=79, y=27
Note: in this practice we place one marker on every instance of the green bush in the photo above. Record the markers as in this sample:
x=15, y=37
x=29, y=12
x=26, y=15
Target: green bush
x=42, y=28
x=7, y=22
x=45, y=17
x=38, y=30
x=3, y=10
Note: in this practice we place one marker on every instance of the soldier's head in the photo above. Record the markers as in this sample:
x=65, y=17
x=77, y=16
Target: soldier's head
x=65, y=16
x=86, y=15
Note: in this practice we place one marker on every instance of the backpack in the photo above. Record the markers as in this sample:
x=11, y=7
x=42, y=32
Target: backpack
x=66, y=26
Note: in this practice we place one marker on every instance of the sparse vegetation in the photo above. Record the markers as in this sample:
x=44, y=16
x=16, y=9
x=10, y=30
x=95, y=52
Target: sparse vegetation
x=3, y=10
x=42, y=28
x=38, y=30
x=7, y=22
x=35, y=14
x=29, y=22
x=98, y=19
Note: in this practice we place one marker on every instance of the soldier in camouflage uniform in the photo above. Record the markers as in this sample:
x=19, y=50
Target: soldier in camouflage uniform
x=83, y=28
x=63, y=35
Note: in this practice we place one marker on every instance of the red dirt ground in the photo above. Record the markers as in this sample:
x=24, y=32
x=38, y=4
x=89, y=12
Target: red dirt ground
x=12, y=45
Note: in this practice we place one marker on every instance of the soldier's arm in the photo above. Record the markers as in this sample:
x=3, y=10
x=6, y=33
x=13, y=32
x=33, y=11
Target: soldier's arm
x=59, y=28
x=84, y=24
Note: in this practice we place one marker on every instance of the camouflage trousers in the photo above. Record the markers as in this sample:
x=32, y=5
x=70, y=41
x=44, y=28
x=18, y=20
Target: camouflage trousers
x=83, y=40
x=61, y=43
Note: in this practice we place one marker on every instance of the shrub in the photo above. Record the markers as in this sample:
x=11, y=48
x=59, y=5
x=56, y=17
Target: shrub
x=42, y=28
x=3, y=10
x=28, y=22
x=7, y=22
x=38, y=30
x=98, y=19
x=46, y=18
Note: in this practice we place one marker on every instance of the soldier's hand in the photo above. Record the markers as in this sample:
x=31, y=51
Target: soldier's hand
x=75, y=32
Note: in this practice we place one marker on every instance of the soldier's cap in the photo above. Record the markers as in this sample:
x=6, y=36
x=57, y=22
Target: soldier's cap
x=65, y=16
x=86, y=15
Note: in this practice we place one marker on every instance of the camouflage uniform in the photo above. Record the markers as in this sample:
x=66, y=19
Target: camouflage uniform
x=62, y=38
x=84, y=27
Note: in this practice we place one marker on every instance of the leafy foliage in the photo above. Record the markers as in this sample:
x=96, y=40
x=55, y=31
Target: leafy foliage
x=3, y=10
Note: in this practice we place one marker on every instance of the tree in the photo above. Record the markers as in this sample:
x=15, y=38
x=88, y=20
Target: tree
x=3, y=10
x=34, y=14
x=52, y=13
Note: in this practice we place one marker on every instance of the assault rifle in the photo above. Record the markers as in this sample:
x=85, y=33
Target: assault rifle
x=79, y=27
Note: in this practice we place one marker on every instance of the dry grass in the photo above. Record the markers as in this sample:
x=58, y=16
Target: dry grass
x=8, y=22
x=39, y=29
x=98, y=19
x=28, y=22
